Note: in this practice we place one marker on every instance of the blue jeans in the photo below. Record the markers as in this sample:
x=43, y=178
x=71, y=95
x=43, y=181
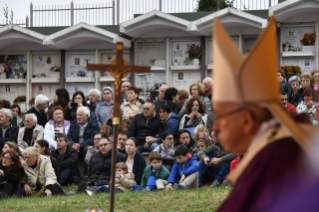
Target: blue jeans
x=137, y=188
x=209, y=173
x=65, y=175
x=104, y=188
x=142, y=149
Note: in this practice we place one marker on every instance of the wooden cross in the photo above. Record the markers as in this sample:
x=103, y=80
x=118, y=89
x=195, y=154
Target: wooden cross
x=118, y=69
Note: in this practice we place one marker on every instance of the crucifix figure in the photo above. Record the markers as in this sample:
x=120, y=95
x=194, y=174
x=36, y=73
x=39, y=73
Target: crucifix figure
x=118, y=69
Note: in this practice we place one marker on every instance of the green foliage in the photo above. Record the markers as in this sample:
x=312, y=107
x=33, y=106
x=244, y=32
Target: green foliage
x=203, y=199
x=6, y=15
x=211, y=5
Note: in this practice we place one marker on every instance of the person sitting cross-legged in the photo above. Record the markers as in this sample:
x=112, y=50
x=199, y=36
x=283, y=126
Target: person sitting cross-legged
x=67, y=160
x=184, y=171
x=30, y=133
x=214, y=163
x=123, y=180
x=154, y=172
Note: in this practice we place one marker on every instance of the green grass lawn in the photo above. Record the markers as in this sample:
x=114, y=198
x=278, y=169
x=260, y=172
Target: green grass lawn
x=204, y=199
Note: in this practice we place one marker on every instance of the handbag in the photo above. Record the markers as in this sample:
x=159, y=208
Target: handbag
x=37, y=193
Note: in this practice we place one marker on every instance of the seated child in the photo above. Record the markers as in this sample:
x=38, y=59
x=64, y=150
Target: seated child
x=154, y=172
x=184, y=171
x=203, y=143
x=123, y=182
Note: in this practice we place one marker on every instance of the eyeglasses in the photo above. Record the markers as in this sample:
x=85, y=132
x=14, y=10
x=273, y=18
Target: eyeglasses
x=6, y=158
x=103, y=144
x=170, y=138
x=228, y=114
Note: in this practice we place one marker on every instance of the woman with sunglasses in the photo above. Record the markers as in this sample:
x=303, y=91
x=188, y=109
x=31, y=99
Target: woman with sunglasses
x=11, y=172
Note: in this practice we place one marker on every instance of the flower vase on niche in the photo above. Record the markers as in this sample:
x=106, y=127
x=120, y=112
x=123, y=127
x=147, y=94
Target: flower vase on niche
x=195, y=61
x=308, y=42
x=175, y=62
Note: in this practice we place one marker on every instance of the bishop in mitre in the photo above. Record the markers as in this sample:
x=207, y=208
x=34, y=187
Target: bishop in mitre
x=250, y=120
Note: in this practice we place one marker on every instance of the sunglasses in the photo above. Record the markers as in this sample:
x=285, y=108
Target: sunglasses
x=6, y=158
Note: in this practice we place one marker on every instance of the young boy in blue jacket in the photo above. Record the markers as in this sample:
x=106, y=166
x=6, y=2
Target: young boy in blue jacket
x=184, y=171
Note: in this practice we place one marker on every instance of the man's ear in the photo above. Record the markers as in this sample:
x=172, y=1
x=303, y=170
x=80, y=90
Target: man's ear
x=248, y=122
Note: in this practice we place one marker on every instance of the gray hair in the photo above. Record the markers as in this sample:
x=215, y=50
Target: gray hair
x=293, y=79
x=31, y=152
x=210, y=79
x=86, y=110
x=98, y=93
x=40, y=100
x=34, y=117
x=153, y=105
x=108, y=141
x=7, y=113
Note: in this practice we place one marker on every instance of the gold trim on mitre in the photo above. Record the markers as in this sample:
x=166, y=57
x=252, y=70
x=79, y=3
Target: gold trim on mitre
x=252, y=77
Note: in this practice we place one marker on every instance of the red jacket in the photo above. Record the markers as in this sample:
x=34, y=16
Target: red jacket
x=291, y=108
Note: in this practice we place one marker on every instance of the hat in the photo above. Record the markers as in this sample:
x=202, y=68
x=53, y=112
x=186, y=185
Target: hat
x=293, y=78
x=252, y=77
x=108, y=88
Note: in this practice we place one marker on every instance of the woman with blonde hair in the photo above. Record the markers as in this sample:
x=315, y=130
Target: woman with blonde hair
x=200, y=131
x=197, y=90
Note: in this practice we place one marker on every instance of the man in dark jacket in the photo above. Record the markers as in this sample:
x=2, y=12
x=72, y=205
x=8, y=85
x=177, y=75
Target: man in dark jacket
x=40, y=104
x=8, y=132
x=67, y=160
x=82, y=131
x=100, y=164
x=146, y=127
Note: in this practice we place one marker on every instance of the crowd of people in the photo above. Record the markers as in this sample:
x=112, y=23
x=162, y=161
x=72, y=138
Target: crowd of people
x=69, y=142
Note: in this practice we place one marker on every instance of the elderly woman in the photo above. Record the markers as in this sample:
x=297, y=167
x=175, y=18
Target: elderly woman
x=195, y=115
x=16, y=111
x=133, y=106
x=309, y=104
x=197, y=90
x=8, y=132
x=56, y=126
x=39, y=178
x=30, y=133
x=201, y=131
x=169, y=119
x=11, y=172
x=103, y=108
x=294, y=96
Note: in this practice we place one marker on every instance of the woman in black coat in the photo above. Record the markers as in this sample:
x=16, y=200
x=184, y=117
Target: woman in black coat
x=134, y=160
x=11, y=171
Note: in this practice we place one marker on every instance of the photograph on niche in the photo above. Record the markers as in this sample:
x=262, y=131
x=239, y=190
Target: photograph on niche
x=13, y=65
x=77, y=61
x=7, y=88
x=307, y=63
x=180, y=76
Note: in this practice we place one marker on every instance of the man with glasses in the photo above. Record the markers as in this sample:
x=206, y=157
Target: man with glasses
x=146, y=127
x=8, y=132
x=251, y=120
x=99, y=171
x=94, y=96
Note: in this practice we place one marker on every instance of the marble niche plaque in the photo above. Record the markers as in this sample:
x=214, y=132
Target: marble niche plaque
x=45, y=89
x=76, y=63
x=209, y=50
x=151, y=54
x=180, y=51
x=306, y=64
x=293, y=35
x=182, y=80
x=41, y=64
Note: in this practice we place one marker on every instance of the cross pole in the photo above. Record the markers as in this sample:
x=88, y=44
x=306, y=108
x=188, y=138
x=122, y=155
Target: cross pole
x=118, y=69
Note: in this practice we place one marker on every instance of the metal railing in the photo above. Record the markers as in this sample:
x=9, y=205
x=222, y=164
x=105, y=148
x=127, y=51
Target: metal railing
x=19, y=22
x=118, y=11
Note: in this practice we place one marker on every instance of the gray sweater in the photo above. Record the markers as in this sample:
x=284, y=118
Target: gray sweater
x=218, y=151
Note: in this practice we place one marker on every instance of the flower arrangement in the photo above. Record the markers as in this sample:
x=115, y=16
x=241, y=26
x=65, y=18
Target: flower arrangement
x=194, y=52
x=55, y=68
x=19, y=99
x=31, y=102
x=308, y=39
x=291, y=70
x=81, y=74
x=4, y=69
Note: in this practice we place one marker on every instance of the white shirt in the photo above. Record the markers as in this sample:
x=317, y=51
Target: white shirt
x=130, y=167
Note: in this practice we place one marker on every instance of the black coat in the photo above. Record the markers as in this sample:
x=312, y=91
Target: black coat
x=140, y=127
x=55, y=165
x=70, y=159
x=99, y=170
x=138, y=166
x=10, y=135
x=42, y=117
x=10, y=180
